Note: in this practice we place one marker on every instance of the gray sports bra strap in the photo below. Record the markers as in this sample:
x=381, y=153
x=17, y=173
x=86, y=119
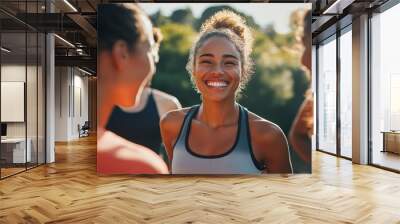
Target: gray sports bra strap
x=242, y=137
x=186, y=124
x=245, y=137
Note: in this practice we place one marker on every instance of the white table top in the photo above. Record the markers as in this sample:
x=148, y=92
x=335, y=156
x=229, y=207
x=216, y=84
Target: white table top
x=13, y=140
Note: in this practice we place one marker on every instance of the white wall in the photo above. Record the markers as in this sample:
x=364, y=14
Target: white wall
x=61, y=103
x=13, y=73
x=80, y=110
x=71, y=93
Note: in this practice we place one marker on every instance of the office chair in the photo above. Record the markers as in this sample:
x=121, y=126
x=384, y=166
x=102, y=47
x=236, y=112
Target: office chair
x=84, y=130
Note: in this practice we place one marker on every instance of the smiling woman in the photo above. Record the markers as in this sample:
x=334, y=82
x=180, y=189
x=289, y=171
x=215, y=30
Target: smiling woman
x=220, y=136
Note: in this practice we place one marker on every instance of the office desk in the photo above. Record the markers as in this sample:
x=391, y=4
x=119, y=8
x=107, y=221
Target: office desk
x=391, y=141
x=13, y=150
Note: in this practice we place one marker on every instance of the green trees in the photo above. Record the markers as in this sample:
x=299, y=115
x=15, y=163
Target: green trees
x=183, y=16
x=171, y=75
x=213, y=9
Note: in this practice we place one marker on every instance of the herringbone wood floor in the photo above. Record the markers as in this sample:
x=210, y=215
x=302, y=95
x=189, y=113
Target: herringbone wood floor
x=70, y=191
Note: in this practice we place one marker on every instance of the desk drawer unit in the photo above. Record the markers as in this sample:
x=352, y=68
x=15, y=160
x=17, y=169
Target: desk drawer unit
x=391, y=142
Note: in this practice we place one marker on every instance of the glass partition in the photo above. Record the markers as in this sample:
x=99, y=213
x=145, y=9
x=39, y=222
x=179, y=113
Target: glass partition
x=385, y=89
x=14, y=152
x=327, y=95
x=22, y=88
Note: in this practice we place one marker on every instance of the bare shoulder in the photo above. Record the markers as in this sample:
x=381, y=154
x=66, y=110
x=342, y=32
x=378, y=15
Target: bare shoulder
x=162, y=94
x=264, y=130
x=269, y=145
x=171, y=122
x=174, y=116
x=170, y=126
x=169, y=101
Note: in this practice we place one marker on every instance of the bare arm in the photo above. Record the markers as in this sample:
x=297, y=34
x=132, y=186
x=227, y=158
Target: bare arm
x=170, y=125
x=299, y=135
x=116, y=155
x=270, y=146
x=278, y=158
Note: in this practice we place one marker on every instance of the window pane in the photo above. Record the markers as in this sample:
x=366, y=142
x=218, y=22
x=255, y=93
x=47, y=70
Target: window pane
x=14, y=153
x=385, y=86
x=327, y=96
x=346, y=94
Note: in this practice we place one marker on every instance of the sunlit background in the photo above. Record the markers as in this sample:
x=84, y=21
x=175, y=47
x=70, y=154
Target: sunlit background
x=277, y=88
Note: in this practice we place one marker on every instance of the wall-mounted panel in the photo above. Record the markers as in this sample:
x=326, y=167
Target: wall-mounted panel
x=12, y=101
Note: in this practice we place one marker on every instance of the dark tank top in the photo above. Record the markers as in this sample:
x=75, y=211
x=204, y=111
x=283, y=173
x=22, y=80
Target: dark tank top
x=140, y=127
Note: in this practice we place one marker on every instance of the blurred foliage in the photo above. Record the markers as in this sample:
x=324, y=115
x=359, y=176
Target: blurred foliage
x=277, y=88
x=171, y=75
x=158, y=19
x=213, y=9
x=183, y=16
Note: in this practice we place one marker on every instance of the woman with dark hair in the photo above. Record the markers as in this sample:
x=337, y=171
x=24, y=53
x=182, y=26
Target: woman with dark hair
x=126, y=52
x=220, y=136
x=140, y=124
x=302, y=127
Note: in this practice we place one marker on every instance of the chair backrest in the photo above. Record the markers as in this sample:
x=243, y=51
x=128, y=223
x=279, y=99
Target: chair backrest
x=86, y=124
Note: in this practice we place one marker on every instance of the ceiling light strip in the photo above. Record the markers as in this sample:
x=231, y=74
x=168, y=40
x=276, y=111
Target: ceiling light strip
x=5, y=50
x=70, y=5
x=84, y=71
x=65, y=41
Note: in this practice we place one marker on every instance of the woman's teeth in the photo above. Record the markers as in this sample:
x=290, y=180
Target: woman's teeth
x=216, y=84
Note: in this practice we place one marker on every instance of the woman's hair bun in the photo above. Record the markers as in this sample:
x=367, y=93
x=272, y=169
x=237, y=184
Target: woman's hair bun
x=227, y=19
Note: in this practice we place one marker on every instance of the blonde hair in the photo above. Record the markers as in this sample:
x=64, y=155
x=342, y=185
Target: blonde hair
x=301, y=20
x=233, y=27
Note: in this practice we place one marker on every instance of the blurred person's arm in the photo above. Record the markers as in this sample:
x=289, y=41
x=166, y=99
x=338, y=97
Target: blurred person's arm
x=301, y=130
x=116, y=155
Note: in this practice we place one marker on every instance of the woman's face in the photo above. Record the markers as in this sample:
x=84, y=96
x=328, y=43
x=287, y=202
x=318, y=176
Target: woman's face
x=217, y=69
x=135, y=68
x=144, y=67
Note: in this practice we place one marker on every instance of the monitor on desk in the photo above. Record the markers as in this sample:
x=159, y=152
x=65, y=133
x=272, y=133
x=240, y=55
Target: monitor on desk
x=3, y=130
